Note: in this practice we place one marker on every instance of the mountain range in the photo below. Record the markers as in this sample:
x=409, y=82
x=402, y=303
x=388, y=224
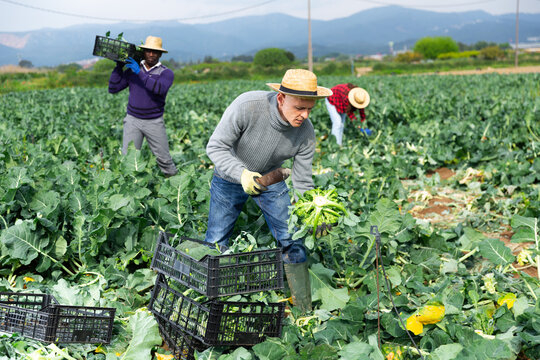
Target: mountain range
x=365, y=32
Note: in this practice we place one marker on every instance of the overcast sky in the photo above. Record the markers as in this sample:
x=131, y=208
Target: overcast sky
x=24, y=15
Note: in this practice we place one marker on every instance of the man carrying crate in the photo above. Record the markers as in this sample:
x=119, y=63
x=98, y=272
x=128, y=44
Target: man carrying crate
x=148, y=84
x=256, y=134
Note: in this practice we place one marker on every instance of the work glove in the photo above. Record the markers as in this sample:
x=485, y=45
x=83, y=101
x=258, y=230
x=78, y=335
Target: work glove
x=366, y=131
x=323, y=229
x=249, y=184
x=132, y=64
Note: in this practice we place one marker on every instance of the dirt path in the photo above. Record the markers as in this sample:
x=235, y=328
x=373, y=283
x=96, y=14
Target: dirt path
x=489, y=70
x=509, y=70
x=444, y=207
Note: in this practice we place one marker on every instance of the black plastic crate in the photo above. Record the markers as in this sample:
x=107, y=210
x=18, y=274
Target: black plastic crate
x=216, y=322
x=220, y=275
x=116, y=50
x=182, y=345
x=40, y=317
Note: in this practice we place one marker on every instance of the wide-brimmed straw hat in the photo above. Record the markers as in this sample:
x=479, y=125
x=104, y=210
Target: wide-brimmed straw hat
x=358, y=97
x=301, y=83
x=153, y=43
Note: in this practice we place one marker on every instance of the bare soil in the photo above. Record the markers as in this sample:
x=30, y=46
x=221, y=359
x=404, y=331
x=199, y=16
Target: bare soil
x=10, y=69
x=445, y=207
x=489, y=70
x=508, y=70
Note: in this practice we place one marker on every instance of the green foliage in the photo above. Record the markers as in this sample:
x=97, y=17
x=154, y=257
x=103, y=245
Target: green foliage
x=243, y=58
x=408, y=57
x=272, y=57
x=72, y=67
x=341, y=68
x=103, y=66
x=479, y=45
x=492, y=53
x=431, y=47
x=27, y=64
x=81, y=220
x=458, y=55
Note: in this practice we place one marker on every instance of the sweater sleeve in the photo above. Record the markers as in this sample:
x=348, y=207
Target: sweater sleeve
x=221, y=143
x=302, y=177
x=157, y=85
x=117, y=80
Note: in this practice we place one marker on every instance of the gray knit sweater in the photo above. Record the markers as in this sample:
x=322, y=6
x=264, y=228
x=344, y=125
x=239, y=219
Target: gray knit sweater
x=252, y=135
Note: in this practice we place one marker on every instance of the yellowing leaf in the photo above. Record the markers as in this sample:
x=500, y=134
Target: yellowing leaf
x=427, y=314
x=430, y=314
x=392, y=351
x=164, y=357
x=414, y=325
x=100, y=349
x=508, y=299
x=28, y=279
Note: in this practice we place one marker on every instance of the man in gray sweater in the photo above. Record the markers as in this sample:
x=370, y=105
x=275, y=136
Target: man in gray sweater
x=257, y=133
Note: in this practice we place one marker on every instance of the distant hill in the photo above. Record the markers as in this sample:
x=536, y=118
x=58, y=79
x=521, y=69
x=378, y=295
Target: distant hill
x=366, y=32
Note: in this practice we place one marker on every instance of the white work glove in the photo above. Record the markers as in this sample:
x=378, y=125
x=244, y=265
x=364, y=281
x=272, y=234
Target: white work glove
x=249, y=184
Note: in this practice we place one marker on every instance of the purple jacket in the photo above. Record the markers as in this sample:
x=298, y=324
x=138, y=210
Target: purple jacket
x=147, y=90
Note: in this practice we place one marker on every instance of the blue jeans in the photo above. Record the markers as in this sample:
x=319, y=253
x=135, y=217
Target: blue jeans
x=226, y=202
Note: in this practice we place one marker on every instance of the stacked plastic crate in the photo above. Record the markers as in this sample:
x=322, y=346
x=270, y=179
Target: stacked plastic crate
x=116, y=50
x=41, y=317
x=188, y=325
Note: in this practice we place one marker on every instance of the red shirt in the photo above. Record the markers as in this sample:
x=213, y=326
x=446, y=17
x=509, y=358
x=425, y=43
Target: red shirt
x=340, y=100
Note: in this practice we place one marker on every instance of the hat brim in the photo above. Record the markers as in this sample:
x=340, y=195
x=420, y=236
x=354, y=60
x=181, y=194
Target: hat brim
x=357, y=104
x=322, y=92
x=153, y=48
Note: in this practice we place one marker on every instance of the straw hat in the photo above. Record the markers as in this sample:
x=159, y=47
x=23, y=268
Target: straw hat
x=358, y=97
x=301, y=83
x=153, y=43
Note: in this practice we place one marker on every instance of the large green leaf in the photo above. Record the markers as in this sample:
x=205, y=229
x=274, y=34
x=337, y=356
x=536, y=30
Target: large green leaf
x=271, y=349
x=447, y=352
x=118, y=201
x=355, y=351
x=322, y=289
x=17, y=177
x=45, y=202
x=145, y=335
x=133, y=161
x=66, y=294
x=495, y=251
x=386, y=216
x=522, y=221
x=240, y=354
x=22, y=243
x=526, y=229
x=471, y=238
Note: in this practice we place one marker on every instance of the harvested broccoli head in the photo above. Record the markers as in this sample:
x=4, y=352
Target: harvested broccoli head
x=319, y=206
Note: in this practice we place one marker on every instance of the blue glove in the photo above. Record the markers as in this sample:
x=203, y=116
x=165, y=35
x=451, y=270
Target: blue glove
x=132, y=64
x=366, y=131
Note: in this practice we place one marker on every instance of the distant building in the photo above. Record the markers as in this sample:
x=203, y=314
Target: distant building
x=377, y=57
x=527, y=47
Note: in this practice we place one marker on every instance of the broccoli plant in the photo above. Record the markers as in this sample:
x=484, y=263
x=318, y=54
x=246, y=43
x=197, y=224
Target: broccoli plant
x=317, y=207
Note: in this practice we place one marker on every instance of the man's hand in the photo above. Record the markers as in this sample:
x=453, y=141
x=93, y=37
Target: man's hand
x=249, y=184
x=323, y=229
x=132, y=64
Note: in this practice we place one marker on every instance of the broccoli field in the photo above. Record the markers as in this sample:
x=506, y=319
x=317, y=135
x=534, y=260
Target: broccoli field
x=450, y=177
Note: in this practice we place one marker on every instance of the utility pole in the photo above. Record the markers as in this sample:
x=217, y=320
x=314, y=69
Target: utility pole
x=310, y=50
x=517, y=34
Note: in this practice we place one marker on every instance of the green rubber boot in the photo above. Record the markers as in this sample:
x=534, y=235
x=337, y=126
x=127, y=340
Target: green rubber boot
x=299, y=284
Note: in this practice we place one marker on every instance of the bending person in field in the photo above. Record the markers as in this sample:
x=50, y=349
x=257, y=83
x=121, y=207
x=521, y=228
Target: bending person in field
x=345, y=100
x=148, y=84
x=256, y=134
